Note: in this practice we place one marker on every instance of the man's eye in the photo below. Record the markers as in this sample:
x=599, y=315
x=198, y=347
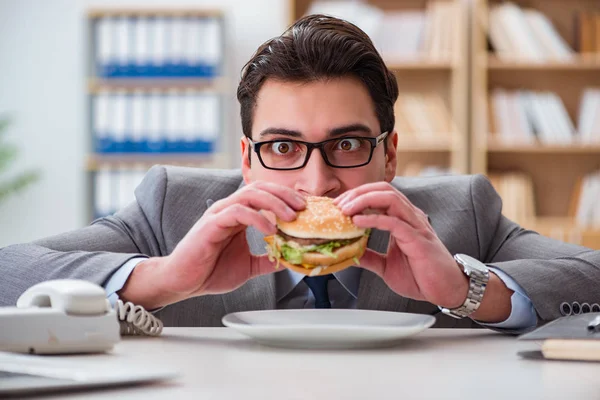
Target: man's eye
x=348, y=144
x=282, y=148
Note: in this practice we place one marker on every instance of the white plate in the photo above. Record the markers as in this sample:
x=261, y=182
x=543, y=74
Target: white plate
x=328, y=328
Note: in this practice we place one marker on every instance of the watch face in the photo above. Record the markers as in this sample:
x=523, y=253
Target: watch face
x=470, y=263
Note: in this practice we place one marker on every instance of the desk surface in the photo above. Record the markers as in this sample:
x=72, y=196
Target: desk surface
x=219, y=363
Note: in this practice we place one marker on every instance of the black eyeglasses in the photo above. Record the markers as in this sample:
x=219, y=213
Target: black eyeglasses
x=344, y=152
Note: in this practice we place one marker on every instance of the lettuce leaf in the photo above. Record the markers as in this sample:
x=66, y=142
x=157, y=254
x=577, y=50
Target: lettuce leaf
x=327, y=248
x=292, y=254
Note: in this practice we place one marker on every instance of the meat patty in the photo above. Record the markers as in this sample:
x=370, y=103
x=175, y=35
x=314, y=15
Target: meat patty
x=308, y=242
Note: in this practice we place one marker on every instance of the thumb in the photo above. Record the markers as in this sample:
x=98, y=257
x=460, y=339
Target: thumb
x=373, y=261
x=261, y=265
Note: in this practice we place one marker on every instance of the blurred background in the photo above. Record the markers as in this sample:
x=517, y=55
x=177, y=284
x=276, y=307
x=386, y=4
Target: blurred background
x=93, y=93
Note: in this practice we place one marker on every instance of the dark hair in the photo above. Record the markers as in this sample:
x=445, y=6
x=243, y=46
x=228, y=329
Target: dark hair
x=319, y=47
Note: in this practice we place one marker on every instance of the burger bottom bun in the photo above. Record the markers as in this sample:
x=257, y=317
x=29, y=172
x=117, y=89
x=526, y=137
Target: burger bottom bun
x=320, y=270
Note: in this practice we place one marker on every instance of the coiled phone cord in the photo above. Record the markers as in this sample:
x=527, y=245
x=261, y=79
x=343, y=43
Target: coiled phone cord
x=135, y=320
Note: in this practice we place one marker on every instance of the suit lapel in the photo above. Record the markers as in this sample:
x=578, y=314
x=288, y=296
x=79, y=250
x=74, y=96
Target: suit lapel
x=257, y=293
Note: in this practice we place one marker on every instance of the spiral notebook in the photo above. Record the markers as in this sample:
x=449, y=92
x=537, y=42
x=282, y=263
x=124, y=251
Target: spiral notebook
x=567, y=338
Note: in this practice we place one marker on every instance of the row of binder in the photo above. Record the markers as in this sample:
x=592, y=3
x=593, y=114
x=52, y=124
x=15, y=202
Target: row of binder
x=114, y=189
x=156, y=122
x=127, y=47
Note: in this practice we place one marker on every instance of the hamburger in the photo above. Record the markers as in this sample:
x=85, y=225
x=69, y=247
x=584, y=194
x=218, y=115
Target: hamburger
x=321, y=240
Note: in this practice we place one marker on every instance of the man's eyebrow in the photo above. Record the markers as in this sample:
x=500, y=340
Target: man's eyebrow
x=342, y=130
x=280, y=131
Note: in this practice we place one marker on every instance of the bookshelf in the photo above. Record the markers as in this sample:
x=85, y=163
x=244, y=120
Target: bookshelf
x=554, y=168
x=429, y=79
x=156, y=94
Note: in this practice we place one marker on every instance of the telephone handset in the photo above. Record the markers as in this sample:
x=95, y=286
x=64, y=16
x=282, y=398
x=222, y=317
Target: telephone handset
x=70, y=316
x=74, y=297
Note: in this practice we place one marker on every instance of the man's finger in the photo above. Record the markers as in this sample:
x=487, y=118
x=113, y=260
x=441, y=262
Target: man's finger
x=387, y=201
x=373, y=261
x=259, y=200
x=261, y=265
x=353, y=193
x=238, y=216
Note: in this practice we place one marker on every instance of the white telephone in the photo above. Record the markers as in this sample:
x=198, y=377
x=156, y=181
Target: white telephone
x=70, y=316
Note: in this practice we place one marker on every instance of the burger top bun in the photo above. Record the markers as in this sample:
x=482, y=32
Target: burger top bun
x=321, y=219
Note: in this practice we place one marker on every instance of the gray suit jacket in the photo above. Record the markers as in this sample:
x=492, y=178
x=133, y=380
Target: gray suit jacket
x=465, y=211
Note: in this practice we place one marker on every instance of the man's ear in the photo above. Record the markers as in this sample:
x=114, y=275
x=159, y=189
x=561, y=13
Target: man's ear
x=246, y=153
x=391, y=160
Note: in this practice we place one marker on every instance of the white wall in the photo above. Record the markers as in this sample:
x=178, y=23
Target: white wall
x=43, y=76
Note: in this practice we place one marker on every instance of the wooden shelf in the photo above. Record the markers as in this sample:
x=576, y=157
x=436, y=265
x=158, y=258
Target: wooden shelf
x=146, y=160
x=565, y=229
x=445, y=76
x=154, y=12
x=216, y=85
x=424, y=146
x=554, y=170
x=580, y=63
x=544, y=149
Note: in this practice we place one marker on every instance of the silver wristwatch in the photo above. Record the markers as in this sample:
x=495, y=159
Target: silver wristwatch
x=478, y=275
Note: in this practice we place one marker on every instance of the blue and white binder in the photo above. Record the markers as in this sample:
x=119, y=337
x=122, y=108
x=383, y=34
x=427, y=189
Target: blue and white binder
x=176, y=47
x=125, y=56
x=193, y=48
x=212, y=47
x=120, y=123
x=158, y=37
x=101, y=105
x=138, y=129
x=125, y=188
x=142, y=47
x=106, y=62
x=103, y=200
x=172, y=122
x=208, y=114
x=128, y=47
x=155, y=141
x=188, y=123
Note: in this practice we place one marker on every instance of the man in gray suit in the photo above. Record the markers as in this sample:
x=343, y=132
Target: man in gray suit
x=318, y=119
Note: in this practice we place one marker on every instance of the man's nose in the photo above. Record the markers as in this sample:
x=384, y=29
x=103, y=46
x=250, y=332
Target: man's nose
x=317, y=178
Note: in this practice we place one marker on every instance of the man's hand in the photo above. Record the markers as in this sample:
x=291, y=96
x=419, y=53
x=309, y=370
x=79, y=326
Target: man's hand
x=417, y=264
x=214, y=256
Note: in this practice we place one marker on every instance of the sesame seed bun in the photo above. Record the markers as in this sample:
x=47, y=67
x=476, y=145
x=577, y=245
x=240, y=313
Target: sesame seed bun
x=321, y=220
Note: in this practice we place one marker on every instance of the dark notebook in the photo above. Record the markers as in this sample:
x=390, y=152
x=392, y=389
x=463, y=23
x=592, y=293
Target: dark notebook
x=567, y=338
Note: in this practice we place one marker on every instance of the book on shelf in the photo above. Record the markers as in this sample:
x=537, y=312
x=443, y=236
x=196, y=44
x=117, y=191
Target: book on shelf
x=423, y=117
x=587, y=32
x=156, y=122
x=589, y=116
x=150, y=47
x=524, y=117
x=517, y=193
x=405, y=35
x=114, y=189
x=518, y=34
x=586, y=210
x=414, y=169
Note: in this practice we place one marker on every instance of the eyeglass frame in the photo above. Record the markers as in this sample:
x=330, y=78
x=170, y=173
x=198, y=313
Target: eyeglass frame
x=310, y=146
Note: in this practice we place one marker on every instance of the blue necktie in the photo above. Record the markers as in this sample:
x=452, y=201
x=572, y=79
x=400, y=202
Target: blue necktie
x=318, y=287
